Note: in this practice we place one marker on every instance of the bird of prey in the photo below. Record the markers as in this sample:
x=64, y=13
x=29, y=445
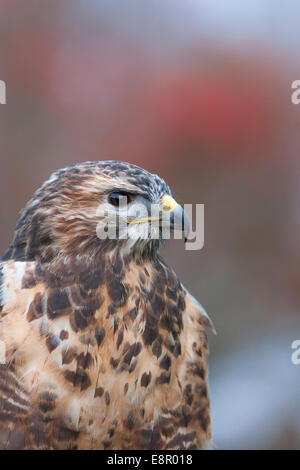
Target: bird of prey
x=103, y=347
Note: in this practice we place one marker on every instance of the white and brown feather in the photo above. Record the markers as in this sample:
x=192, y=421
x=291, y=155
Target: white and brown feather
x=103, y=351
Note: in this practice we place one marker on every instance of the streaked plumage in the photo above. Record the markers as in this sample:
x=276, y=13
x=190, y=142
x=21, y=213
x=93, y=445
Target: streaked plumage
x=105, y=349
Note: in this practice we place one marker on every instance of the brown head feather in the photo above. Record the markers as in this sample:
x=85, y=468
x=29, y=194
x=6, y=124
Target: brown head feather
x=61, y=218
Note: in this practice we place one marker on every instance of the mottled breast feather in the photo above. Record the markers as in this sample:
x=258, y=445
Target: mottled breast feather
x=110, y=358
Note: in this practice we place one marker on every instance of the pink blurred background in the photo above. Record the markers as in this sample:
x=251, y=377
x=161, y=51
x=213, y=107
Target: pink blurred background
x=200, y=93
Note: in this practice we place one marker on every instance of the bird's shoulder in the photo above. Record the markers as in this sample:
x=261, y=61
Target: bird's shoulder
x=21, y=424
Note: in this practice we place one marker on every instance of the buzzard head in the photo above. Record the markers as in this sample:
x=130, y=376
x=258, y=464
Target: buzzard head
x=96, y=206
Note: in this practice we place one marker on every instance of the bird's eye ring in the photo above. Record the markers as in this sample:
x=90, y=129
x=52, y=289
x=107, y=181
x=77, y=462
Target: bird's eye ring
x=115, y=198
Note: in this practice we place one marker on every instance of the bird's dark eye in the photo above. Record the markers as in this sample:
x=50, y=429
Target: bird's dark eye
x=116, y=198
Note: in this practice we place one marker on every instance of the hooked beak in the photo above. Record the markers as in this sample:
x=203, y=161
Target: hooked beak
x=170, y=214
x=173, y=213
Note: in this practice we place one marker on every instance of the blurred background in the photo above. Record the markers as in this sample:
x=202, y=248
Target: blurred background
x=199, y=92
